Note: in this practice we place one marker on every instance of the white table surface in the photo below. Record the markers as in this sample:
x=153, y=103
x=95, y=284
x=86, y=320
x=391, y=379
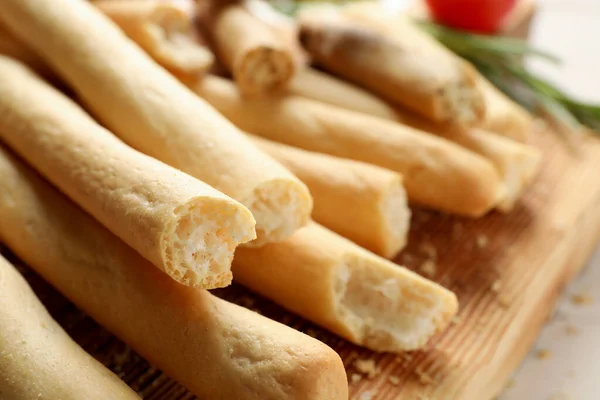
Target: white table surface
x=571, y=370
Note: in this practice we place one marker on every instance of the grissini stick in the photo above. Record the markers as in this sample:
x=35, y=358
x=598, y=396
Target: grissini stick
x=38, y=360
x=150, y=110
x=437, y=173
x=216, y=349
x=503, y=115
x=259, y=59
x=409, y=69
x=164, y=30
x=354, y=293
x=183, y=226
x=362, y=202
x=517, y=163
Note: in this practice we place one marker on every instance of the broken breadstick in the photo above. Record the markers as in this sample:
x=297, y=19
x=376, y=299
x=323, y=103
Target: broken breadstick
x=503, y=115
x=437, y=173
x=362, y=202
x=183, y=226
x=258, y=58
x=164, y=30
x=409, y=69
x=151, y=111
x=517, y=163
x=38, y=360
x=216, y=349
x=348, y=290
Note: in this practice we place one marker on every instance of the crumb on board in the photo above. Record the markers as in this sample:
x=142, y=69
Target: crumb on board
x=429, y=250
x=496, y=286
x=355, y=378
x=408, y=259
x=543, y=354
x=366, y=396
x=394, y=380
x=571, y=330
x=481, y=241
x=582, y=299
x=366, y=366
x=428, y=268
x=425, y=377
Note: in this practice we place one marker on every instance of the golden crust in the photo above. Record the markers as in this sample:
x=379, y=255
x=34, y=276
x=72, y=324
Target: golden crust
x=216, y=349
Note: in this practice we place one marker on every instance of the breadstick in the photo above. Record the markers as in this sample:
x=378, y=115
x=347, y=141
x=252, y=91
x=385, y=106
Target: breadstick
x=348, y=290
x=360, y=201
x=38, y=360
x=152, y=112
x=183, y=226
x=437, y=173
x=259, y=60
x=517, y=163
x=503, y=115
x=409, y=69
x=216, y=349
x=164, y=30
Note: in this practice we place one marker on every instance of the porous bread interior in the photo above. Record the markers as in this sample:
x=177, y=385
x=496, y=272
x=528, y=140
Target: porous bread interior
x=265, y=68
x=396, y=219
x=517, y=174
x=390, y=312
x=199, y=245
x=460, y=102
x=280, y=207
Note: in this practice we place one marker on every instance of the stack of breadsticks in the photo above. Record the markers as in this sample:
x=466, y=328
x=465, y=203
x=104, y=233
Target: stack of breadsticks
x=132, y=195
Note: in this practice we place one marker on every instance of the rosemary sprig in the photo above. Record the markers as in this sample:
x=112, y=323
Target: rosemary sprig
x=499, y=60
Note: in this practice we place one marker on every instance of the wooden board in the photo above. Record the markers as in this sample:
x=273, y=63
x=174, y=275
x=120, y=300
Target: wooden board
x=507, y=271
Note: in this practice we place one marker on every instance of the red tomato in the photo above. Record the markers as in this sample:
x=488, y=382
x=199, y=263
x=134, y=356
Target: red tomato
x=484, y=16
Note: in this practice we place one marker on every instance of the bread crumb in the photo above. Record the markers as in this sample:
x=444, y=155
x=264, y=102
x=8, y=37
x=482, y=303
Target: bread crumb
x=482, y=241
x=543, y=354
x=582, y=299
x=510, y=384
x=366, y=366
x=496, y=286
x=394, y=380
x=355, y=378
x=504, y=300
x=429, y=250
x=424, y=377
x=366, y=396
x=408, y=259
x=571, y=330
x=428, y=268
x=455, y=320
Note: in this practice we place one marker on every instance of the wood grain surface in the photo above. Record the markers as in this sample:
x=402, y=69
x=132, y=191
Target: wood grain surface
x=507, y=271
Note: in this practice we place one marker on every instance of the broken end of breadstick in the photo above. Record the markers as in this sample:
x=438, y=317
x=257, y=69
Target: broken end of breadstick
x=264, y=69
x=280, y=206
x=519, y=174
x=395, y=219
x=389, y=308
x=164, y=30
x=198, y=247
